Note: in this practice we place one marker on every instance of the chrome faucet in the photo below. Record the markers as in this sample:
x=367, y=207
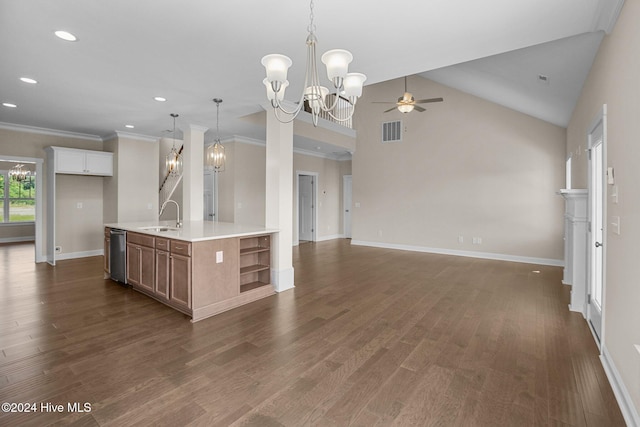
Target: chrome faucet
x=164, y=205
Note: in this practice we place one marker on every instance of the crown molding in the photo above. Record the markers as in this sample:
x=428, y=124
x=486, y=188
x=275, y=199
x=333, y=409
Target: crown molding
x=52, y=132
x=136, y=136
x=607, y=15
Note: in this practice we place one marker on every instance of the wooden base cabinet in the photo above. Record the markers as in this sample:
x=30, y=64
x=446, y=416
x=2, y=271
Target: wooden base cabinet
x=141, y=261
x=180, y=283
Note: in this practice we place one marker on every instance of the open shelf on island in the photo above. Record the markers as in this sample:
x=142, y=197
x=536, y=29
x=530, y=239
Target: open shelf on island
x=255, y=262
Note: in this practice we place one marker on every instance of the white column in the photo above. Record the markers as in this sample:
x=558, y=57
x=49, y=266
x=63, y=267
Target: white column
x=192, y=175
x=279, y=199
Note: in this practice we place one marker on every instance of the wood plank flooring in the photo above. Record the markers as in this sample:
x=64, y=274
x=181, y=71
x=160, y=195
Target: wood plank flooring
x=369, y=337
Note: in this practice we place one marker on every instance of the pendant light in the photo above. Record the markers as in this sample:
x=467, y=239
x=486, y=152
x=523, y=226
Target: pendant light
x=347, y=85
x=19, y=173
x=174, y=158
x=215, y=157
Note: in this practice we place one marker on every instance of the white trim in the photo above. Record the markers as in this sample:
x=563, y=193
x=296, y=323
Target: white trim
x=470, y=254
x=330, y=237
x=17, y=239
x=135, y=136
x=342, y=157
x=282, y=280
x=606, y=15
x=74, y=255
x=53, y=132
x=625, y=402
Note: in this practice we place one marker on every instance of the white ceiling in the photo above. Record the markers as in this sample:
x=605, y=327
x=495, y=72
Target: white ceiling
x=191, y=51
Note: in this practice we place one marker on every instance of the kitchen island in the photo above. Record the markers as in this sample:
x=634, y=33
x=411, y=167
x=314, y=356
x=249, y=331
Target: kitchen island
x=202, y=268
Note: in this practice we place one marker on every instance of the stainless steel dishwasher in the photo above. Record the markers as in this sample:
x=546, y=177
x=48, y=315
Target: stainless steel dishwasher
x=118, y=255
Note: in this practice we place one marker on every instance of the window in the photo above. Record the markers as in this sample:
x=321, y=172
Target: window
x=17, y=199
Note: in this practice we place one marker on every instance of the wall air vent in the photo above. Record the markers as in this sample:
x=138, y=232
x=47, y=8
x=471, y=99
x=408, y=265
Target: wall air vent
x=392, y=131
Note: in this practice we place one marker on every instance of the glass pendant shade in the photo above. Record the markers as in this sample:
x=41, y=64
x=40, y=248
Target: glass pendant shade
x=337, y=62
x=271, y=95
x=316, y=96
x=277, y=67
x=405, y=108
x=353, y=84
x=215, y=157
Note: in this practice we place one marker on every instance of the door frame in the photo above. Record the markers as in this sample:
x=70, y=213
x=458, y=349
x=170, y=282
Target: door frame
x=38, y=257
x=314, y=207
x=600, y=119
x=346, y=178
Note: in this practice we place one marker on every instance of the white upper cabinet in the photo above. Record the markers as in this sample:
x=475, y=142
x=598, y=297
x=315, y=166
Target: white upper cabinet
x=83, y=162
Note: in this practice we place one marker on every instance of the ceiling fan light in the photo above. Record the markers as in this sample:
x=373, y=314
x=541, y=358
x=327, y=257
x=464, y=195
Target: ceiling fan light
x=353, y=84
x=337, y=62
x=277, y=67
x=405, y=108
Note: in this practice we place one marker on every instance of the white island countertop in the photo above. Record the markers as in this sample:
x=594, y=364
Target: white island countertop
x=193, y=231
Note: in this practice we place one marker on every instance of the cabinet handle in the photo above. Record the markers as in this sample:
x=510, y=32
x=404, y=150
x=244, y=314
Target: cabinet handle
x=179, y=248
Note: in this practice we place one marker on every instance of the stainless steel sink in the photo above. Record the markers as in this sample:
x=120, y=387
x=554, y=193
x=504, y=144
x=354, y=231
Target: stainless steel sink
x=159, y=228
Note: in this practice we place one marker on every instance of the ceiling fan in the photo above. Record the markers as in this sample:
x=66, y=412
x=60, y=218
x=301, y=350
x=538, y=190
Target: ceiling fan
x=406, y=103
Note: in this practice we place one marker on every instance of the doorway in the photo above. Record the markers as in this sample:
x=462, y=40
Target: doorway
x=596, y=241
x=37, y=164
x=346, y=204
x=210, y=203
x=307, y=203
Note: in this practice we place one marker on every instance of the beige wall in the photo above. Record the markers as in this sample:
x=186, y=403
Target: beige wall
x=466, y=167
x=614, y=80
x=27, y=144
x=241, y=187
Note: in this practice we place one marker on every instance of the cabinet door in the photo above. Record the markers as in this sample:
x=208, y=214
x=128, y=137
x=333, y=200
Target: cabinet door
x=162, y=274
x=133, y=264
x=98, y=163
x=70, y=162
x=180, y=292
x=147, y=268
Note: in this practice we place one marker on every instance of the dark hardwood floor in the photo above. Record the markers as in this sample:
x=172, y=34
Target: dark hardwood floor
x=368, y=337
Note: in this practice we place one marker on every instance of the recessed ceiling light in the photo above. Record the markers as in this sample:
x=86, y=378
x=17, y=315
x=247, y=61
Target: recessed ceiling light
x=65, y=35
x=28, y=80
x=10, y=105
x=160, y=99
x=129, y=126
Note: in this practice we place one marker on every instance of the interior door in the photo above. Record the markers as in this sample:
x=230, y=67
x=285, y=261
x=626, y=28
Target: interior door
x=346, y=203
x=596, y=238
x=305, y=208
x=210, y=199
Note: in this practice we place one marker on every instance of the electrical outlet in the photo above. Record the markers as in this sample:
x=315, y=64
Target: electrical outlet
x=460, y=239
x=379, y=233
x=79, y=205
x=219, y=257
x=58, y=249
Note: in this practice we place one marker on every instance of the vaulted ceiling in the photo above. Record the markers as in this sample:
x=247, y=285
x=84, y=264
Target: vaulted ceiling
x=191, y=51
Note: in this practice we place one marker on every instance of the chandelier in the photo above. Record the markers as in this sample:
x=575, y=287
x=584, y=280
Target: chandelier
x=347, y=85
x=19, y=173
x=215, y=157
x=173, y=160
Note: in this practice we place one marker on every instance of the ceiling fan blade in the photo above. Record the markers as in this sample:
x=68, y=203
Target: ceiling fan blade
x=424, y=101
x=390, y=109
x=419, y=108
x=382, y=102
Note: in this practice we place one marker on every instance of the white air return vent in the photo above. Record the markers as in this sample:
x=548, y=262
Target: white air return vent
x=392, y=131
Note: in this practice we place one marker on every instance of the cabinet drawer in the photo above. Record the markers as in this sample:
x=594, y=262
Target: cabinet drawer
x=141, y=239
x=181, y=248
x=162, y=244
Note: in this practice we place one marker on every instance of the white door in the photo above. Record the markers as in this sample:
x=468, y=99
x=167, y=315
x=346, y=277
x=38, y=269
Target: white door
x=346, y=203
x=210, y=196
x=305, y=207
x=596, y=206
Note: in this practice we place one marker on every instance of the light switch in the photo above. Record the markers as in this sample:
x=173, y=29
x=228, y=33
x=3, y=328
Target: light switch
x=357, y=204
x=219, y=257
x=614, y=194
x=79, y=205
x=615, y=225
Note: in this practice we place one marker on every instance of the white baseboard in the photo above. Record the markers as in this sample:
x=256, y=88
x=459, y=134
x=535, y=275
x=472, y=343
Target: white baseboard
x=282, y=280
x=330, y=237
x=470, y=254
x=625, y=402
x=74, y=255
x=17, y=239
